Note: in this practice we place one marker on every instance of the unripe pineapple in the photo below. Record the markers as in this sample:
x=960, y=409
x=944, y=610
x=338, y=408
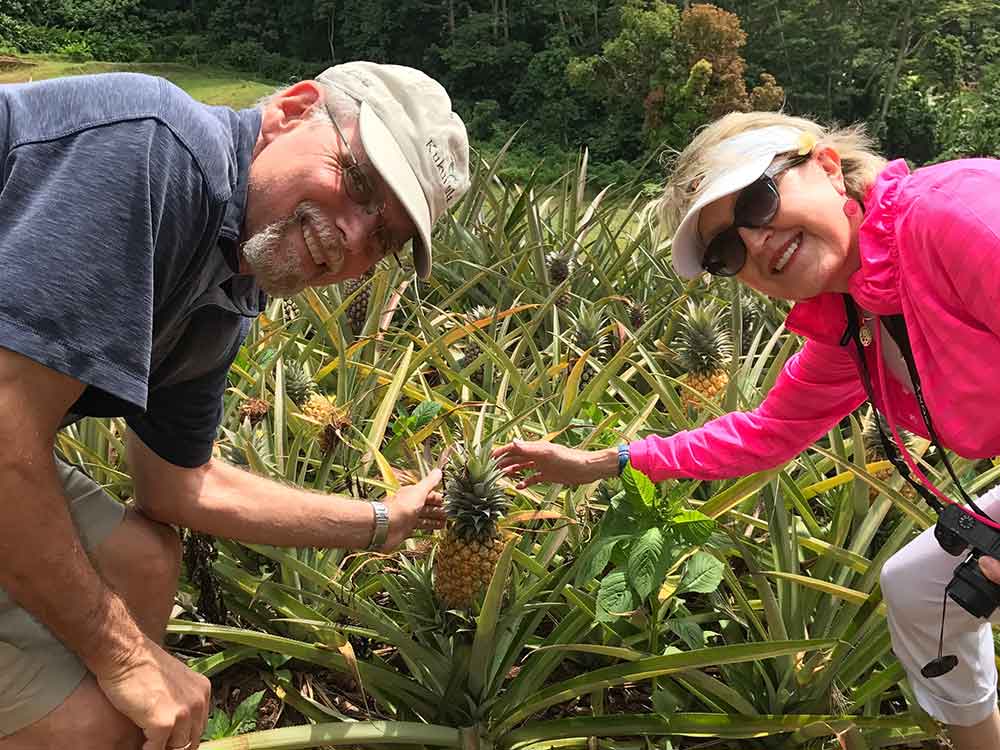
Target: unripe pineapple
x=299, y=385
x=472, y=348
x=254, y=409
x=590, y=334
x=558, y=266
x=703, y=350
x=467, y=555
x=637, y=314
x=357, y=310
x=875, y=451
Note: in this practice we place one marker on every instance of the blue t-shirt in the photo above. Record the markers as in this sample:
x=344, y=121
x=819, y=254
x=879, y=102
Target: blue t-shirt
x=121, y=203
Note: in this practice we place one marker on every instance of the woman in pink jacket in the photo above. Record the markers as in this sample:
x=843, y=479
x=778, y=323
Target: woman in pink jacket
x=803, y=213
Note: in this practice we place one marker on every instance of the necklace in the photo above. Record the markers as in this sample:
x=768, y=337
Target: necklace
x=865, y=333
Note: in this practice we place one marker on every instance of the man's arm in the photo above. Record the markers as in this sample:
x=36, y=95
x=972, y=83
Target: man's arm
x=36, y=531
x=225, y=501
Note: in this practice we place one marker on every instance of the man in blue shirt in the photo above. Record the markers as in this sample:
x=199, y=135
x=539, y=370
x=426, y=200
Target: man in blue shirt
x=140, y=233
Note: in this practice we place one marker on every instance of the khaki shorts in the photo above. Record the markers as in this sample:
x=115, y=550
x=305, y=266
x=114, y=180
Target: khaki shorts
x=38, y=673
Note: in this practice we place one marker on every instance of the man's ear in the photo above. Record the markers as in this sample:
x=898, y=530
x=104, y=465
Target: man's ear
x=290, y=108
x=829, y=160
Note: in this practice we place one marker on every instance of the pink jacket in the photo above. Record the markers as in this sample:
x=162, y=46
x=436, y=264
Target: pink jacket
x=930, y=249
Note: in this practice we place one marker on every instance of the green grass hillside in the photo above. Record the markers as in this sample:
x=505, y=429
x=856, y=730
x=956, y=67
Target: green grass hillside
x=209, y=85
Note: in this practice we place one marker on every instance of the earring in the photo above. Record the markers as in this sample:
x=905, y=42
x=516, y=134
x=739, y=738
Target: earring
x=851, y=208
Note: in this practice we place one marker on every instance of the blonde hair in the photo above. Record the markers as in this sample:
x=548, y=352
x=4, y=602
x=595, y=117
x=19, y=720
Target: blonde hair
x=858, y=160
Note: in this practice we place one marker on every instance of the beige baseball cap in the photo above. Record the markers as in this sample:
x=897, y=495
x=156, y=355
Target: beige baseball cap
x=412, y=137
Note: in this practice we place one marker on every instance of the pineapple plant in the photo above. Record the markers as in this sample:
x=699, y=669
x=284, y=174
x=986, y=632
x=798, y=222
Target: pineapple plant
x=299, y=384
x=703, y=349
x=589, y=334
x=357, y=310
x=558, y=267
x=468, y=553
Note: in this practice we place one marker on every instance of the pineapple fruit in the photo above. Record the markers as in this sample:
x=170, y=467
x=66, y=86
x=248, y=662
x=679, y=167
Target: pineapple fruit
x=472, y=348
x=590, y=334
x=874, y=451
x=357, y=310
x=558, y=266
x=703, y=349
x=637, y=314
x=299, y=384
x=253, y=409
x=467, y=555
x=333, y=421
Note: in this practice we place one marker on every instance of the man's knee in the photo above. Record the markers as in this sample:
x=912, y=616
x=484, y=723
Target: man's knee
x=85, y=719
x=141, y=561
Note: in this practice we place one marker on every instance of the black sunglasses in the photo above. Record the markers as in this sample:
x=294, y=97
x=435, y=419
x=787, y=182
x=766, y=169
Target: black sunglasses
x=756, y=206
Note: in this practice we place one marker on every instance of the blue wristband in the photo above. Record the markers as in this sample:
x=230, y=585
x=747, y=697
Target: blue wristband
x=623, y=457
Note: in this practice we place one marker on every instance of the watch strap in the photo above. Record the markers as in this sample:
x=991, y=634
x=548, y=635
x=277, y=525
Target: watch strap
x=381, y=532
x=623, y=457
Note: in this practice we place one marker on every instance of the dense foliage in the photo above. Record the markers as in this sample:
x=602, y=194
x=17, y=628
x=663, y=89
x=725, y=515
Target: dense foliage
x=623, y=77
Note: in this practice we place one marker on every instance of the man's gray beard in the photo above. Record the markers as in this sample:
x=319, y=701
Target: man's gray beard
x=278, y=272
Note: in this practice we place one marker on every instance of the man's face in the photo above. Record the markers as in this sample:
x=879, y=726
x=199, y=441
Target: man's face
x=305, y=225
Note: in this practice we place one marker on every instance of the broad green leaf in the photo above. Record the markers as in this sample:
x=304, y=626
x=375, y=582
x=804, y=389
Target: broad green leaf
x=692, y=526
x=595, y=558
x=614, y=598
x=639, y=490
x=245, y=715
x=643, y=561
x=703, y=574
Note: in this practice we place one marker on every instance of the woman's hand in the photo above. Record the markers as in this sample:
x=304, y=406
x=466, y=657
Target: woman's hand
x=555, y=463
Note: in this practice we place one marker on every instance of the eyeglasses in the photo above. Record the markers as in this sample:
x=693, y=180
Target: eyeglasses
x=756, y=206
x=360, y=190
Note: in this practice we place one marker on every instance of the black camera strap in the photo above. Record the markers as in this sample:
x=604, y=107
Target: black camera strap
x=896, y=326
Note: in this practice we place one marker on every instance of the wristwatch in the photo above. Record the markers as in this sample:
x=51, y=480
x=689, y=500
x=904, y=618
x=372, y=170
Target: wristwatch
x=623, y=457
x=381, y=531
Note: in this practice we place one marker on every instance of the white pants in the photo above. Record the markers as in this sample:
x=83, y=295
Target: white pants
x=913, y=583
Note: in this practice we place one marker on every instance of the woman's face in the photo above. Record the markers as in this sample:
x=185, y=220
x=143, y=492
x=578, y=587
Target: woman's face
x=809, y=247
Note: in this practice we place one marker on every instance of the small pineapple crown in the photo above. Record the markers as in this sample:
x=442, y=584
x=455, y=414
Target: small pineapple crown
x=474, y=501
x=589, y=323
x=479, y=312
x=703, y=344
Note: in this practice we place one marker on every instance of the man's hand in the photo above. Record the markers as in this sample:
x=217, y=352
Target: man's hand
x=555, y=463
x=416, y=506
x=991, y=568
x=165, y=699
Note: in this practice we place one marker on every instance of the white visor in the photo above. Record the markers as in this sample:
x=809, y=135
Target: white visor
x=735, y=163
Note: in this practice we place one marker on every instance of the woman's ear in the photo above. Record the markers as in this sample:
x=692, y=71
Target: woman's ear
x=829, y=161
